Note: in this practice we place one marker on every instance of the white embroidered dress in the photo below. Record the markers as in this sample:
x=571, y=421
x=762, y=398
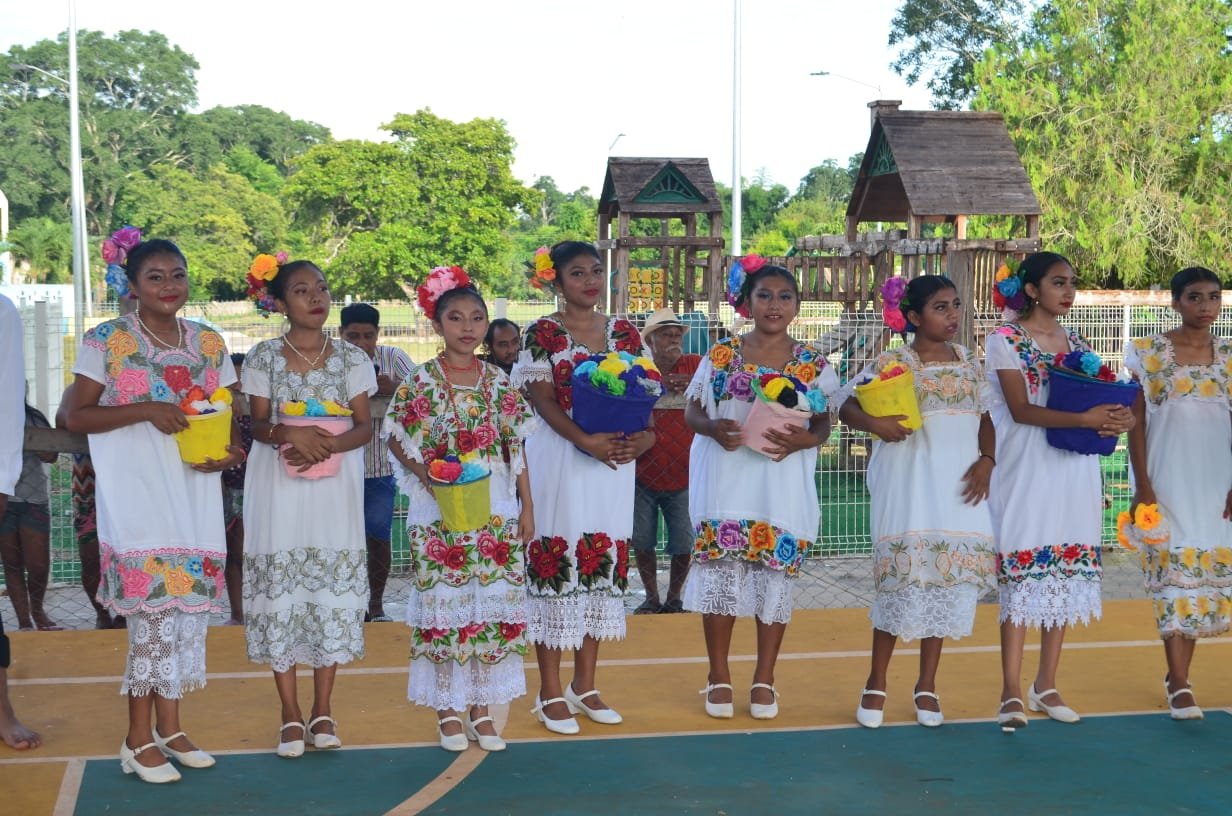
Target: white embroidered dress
x=1046, y=503
x=1189, y=458
x=933, y=554
x=305, y=555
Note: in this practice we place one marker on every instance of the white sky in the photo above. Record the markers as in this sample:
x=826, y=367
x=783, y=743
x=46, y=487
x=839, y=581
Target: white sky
x=567, y=76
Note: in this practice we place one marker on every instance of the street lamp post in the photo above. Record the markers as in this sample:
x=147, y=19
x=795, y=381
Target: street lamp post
x=737, y=203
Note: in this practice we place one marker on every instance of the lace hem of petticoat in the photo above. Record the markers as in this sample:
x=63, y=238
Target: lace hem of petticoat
x=459, y=686
x=735, y=588
x=1050, y=602
x=915, y=612
x=564, y=622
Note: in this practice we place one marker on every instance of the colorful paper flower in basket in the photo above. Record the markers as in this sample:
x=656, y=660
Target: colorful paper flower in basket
x=619, y=374
x=1007, y=289
x=439, y=281
x=736, y=278
x=540, y=270
x=115, y=254
x=790, y=392
x=1145, y=527
x=1085, y=363
x=263, y=269
x=314, y=408
x=892, y=293
x=197, y=403
x=452, y=469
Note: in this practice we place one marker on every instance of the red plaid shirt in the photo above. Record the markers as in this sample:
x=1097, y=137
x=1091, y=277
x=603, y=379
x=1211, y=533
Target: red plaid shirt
x=666, y=465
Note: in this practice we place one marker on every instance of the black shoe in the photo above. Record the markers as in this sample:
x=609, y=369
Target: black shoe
x=672, y=606
x=648, y=607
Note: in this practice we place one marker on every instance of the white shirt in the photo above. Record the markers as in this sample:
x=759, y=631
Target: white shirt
x=12, y=396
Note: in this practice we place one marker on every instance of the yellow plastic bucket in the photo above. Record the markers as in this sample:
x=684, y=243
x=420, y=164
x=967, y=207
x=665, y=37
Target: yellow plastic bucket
x=464, y=507
x=206, y=437
x=892, y=397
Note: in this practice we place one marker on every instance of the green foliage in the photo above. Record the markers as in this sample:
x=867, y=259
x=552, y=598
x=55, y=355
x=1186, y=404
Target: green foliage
x=46, y=245
x=219, y=221
x=945, y=39
x=1120, y=111
x=555, y=216
x=274, y=137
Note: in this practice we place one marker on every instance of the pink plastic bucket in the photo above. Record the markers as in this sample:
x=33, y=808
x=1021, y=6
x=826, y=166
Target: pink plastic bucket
x=331, y=466
x=766, y=415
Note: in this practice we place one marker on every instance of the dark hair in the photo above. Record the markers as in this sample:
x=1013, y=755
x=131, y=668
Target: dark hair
x=456, y=293
x=1190, y=275
x=1033, y=269
x=767, y=271
x=498, y=323
x=919, y=290
x=146, y=249
x=277, y=288
x=237, y=359
x=360, y=313
x=566, y=251
x=36, y=417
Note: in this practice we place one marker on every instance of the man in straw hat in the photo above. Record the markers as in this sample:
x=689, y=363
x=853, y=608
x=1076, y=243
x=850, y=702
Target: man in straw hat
x=663, y=471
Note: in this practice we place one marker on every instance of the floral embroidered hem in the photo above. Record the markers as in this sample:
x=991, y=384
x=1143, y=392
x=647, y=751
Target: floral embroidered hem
x=751, y=540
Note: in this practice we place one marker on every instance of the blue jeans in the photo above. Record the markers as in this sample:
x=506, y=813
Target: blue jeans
x=379, y=494
x=674, y=504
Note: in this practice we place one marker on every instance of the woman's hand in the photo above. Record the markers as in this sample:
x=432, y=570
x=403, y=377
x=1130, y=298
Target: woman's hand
x=165, y=417
x=601, y=446
x=235, y=457
x=628, y=448
x=727, y=432
x=306, y=446
x=1108, y=420
x=890, y=428
x=526, y=523
x=976, y=480
x=785, y=443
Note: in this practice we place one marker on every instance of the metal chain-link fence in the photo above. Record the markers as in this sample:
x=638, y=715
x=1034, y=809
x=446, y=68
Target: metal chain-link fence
x=838, y=571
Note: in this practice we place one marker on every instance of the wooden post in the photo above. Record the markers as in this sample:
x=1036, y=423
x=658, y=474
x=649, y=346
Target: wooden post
x=960, y=268
x=960, y=228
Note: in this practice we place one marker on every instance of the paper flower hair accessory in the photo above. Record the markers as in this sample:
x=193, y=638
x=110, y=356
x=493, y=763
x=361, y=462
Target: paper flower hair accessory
x=115, y=253
x=893, y=292
x=540, y=270
x=1146, y=527
x=264, y=268
x=737, y=277
x=1007, y=289
x=439, y=281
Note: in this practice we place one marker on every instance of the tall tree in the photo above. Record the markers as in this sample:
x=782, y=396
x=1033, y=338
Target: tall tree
x=942, y=40
x=1120, y=109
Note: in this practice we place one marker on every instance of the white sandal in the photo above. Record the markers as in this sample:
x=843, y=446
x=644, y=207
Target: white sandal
x=324, y=741
x=569, y=725
x=870, y=717
x=196, y=758
x=764, y=711
x=156, y=775
x=290, y=749
x=720, y=711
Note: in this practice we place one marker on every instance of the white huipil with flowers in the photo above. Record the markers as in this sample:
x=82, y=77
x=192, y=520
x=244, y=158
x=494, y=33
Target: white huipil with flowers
x=1189, y=459
x=161, y=538
x=305, y=553
x=467, y=606
x=1047, y=503
x=933, y=554
x=754, y=518
x=578, y=565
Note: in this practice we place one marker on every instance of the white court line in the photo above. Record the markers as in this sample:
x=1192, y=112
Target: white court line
x=70, y=787
x=637, y=661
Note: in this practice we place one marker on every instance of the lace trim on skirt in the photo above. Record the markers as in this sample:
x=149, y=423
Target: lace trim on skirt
x=563, y=622
x=462, y=685
x=166, y=653
x=736, y=588
x=1050, y=602
x=913, y=612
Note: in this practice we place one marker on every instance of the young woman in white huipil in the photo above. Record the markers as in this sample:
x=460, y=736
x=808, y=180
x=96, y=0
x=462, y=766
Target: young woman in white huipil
x=578, y=563
x=755, y=516
x=1186, y=374
x=1048, y=562
x=160, y=530
x=305, y=576
x=933, y=550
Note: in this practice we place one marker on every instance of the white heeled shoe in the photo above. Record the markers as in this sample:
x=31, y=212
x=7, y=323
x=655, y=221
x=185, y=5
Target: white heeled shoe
x=195, y=758
x=324, y=741
x=157, y=775
x=452, y=742
x=1011, y=721
x=1060, y=713
x=290, y=749
x=764, y=711
x=607, y=716
x=926, y=718
x=1193, y=712
x=720, y=711
x=488, y=742
x=870, y=717
x=569, y=725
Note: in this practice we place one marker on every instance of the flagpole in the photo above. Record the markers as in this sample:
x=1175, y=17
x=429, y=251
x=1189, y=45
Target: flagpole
x=81, y=267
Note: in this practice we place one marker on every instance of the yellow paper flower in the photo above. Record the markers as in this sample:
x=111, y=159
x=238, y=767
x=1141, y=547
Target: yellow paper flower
x=543, y=259
x=646, y=363
x=264, y=267
x=1208, y=388
x=1146, y=516
x=615, y=367
x=1183, y=385
x=178, y=582
x=221, y=395
x=293, y=408
x=775, y=387
x=1123, y=520
x=335, y=408
x=1003, y=272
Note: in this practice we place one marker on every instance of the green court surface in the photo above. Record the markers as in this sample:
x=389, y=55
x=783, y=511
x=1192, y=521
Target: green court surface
x=1142, y=764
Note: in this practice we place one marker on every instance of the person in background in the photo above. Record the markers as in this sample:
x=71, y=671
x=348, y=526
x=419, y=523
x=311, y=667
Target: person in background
x=502, y=343
x=663, y=471
x=233, y=500
x=12, y=433
x=25, y=536
x=361, y=326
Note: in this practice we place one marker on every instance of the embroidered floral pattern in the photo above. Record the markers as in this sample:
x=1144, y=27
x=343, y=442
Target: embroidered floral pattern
x=487, y=643
x=147, y=581
x=1033, y=360
x=733, y=377
x=936, y=559
x=490, y=554
x=949, y=387
x=752, y=540
x=140, y=371
x=549, y=563
x=1153, y=361
x=1059, y=561
x=549, y=343
x=599, y=562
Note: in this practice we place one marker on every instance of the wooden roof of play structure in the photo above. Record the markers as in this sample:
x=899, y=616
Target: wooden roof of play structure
x=654, y=188
x=939, y=165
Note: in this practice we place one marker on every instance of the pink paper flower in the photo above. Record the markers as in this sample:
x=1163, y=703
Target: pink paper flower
x=127, y=238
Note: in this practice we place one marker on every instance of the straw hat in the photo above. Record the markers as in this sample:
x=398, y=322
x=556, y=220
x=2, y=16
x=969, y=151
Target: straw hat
x=661, y=318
